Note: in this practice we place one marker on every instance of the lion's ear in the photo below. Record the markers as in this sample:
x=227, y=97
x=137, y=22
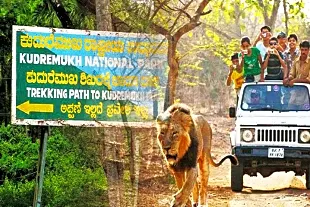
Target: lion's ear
x=163, y=117
x=179, y=106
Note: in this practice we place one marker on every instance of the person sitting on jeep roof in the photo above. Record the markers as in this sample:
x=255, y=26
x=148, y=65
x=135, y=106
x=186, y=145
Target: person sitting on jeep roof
x=291, y=53
x=300, y=72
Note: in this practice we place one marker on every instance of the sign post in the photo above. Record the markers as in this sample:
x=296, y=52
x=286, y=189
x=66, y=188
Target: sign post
x=85, y=78
x=41, y=165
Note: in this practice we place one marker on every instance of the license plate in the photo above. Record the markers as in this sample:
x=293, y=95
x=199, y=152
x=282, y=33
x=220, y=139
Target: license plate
x=275, y=152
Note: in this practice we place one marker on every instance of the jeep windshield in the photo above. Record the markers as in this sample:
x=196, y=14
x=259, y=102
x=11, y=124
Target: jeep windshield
x=275, y=97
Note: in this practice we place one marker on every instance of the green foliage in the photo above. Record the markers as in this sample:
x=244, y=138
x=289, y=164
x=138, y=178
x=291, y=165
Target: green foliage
x=82, y=143
x=136, y=16
x=18, y=154
x=170, y=15
x=295, y=9
x=41, y=13
x=71, y=179
x=29, y=13
x=44, y=15
x=74, y=187
x=14, y=194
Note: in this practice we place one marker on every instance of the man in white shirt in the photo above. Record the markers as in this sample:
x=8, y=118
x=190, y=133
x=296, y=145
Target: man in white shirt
x=264, y=35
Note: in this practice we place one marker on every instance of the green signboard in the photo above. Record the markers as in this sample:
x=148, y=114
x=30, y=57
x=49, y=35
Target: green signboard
x=86, y=78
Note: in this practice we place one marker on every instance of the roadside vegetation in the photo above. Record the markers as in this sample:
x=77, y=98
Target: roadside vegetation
x=72, y=175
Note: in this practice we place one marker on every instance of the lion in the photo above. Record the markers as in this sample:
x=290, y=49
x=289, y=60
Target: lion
x=185, y=141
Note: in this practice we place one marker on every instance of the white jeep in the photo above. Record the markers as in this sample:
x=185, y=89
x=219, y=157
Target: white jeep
x=272, y=131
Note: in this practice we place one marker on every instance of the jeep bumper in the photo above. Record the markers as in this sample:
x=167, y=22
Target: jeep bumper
x=262, y=152
x=255, y=159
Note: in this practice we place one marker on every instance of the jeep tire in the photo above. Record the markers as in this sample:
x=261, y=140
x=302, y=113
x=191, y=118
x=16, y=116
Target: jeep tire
x=237, y=177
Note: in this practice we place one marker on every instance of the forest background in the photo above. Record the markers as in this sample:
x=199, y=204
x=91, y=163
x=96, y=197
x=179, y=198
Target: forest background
x=77, y=171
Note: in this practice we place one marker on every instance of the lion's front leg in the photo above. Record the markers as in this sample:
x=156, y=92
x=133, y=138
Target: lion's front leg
x=182, y=196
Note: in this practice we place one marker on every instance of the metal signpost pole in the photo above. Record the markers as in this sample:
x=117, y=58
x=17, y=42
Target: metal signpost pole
x=41, y=165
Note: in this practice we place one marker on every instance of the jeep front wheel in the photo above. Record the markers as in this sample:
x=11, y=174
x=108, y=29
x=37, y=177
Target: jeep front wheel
x=237, y=177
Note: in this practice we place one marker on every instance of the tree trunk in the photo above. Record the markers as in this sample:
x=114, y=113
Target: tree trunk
x=61, y=13
x=135, y=160
x=173, y=73
x=237, y=19
x=112, y=157
x=270, y=20
x=111, y=145
x=173, y=60
x=286, y=16
x=103, y=15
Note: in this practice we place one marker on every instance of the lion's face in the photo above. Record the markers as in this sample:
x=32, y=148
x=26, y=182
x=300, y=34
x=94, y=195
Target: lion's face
x=169, y=139
x=173, y=135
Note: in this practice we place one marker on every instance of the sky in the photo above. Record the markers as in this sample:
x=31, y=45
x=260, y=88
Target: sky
x=306, y=9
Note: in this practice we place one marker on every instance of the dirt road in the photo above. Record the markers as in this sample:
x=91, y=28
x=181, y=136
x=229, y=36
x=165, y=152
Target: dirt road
x=279, y=190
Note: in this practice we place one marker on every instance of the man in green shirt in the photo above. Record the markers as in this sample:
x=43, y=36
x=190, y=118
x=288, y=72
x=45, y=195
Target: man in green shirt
x=250, y=61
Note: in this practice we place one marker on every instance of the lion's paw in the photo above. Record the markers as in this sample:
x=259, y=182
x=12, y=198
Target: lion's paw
x=178, y=202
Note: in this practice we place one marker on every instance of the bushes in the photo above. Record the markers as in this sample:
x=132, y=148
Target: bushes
x=19, y=155
x=69, y=180
x=74, y=187
x=14, y=193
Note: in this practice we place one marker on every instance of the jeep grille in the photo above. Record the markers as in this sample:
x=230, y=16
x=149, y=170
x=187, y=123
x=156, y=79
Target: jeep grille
x=276, y=135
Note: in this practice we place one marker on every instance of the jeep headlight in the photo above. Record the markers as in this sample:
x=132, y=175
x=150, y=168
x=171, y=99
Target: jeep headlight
x=304, y=136
x=247, y=135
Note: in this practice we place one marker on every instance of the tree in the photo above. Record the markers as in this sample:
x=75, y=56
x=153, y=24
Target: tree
x=264, y=7
x=167, y=17
x=270, y=10
x=73, y=176
x=103, y=15
x=219, y=36
x=111, y=156
x=172, y=19
x=61, y=13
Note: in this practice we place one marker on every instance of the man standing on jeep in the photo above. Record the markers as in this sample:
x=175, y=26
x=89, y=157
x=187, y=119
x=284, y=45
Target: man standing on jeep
x=282, y=40
x=262, y=40
x=300, y=71
x=274, y=62
x=235, y=76
x=291, y=53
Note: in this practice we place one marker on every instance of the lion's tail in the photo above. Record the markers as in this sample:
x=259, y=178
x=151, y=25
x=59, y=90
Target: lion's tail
x=233, y=159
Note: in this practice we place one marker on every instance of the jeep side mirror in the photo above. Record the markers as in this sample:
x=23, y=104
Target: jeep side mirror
x=232, y=112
